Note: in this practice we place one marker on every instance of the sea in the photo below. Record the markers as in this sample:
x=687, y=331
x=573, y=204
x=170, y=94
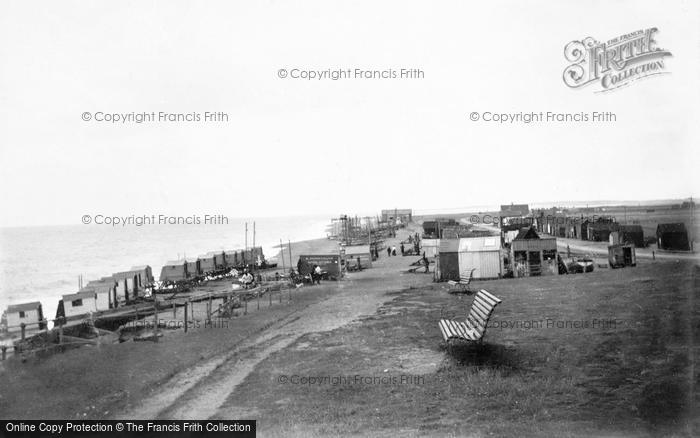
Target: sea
x=43, y=263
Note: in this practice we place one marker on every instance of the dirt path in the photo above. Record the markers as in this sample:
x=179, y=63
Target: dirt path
x=199, y=392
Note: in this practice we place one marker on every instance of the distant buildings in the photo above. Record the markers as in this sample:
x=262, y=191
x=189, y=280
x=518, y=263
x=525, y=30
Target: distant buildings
x=403, y=215
x=514, y=210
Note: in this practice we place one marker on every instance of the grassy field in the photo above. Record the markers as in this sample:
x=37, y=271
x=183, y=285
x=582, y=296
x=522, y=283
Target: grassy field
x=606, y=353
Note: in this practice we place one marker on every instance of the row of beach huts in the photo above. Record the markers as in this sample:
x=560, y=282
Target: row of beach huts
x=125, y=288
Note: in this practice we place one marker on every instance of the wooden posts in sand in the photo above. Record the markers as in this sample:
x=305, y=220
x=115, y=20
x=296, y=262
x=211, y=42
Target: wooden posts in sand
x=185, y=321
x=155, y=320
x=23, y=327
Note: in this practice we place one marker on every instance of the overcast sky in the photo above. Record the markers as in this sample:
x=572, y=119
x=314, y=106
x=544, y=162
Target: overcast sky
x=293, y=146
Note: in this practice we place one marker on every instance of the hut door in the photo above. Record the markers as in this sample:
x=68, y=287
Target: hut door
x=534, y=262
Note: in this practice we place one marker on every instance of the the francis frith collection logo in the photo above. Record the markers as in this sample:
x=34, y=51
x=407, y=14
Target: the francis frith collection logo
x=615, y=63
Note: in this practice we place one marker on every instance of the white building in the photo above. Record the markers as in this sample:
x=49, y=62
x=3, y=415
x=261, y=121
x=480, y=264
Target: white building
x=80, y=303
x=29, y=314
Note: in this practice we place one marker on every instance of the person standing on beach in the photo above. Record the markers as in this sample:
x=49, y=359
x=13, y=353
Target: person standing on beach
x=427, y=263
x=393, y=250
x=359, y=266
x=403, y=250
x=317, y=274
x=388, y=251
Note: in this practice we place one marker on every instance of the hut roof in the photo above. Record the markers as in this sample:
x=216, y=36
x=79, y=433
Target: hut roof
x=480, y=244
x=78, y=296
x=526, y=234
x=678, y=227
x=23, y=307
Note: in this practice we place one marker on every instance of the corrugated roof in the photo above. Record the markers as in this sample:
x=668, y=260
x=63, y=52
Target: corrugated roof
x=23, y=307
x=480, y=244
x=174, y=263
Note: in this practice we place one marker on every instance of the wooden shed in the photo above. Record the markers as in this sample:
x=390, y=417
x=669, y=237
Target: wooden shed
x=361, y=251
x=430, y=247
x=532, y=255
x=458, y=257
x=29, y=314
x=673, y=237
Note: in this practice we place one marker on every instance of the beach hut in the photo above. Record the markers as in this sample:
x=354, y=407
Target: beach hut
x=105, y=291
x=621, y=255
x=207, y=262
x=329, y=263
x=174, y=271
x=192, y=268
x=532, y=255
x=448, y=260
x=231, y=258
x=430, y=247
x=219, y=259
x=632, y=234
x=673, y=236
x=29, y=314
x=483, y=255
x=600, y=230
x=362, y=251
x=145, y=275
x=128, y=284
x=80, y=303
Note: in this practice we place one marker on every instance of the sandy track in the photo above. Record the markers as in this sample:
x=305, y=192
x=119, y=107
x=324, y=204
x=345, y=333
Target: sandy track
x=199, y=392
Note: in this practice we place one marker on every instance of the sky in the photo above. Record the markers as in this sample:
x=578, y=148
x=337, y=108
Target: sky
x=295, y=146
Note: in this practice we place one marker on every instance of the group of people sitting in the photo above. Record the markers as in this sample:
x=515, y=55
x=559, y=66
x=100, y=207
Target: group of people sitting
x=245, y=280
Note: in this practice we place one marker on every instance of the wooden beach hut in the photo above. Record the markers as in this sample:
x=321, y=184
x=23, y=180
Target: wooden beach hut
x=174, y=271
x=80, y=303
x=352, y=253
x=673, y=237
x=532, y=255
x=30, y=314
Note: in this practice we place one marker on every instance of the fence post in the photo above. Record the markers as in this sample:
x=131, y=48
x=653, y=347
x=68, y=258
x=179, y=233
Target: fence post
x=174, y=311
x=269, y=294
x=23, y=326
x=186, y=316
x=280, y=293
x=155, y=320
x=4, y=352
